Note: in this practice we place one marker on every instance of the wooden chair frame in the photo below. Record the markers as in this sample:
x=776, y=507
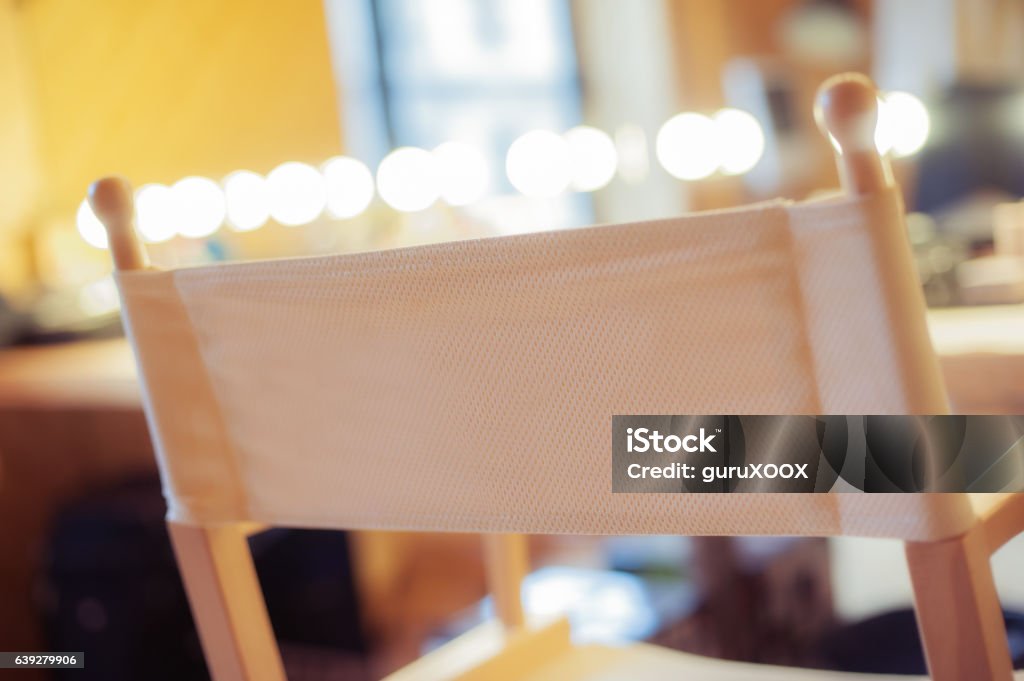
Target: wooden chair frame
x=958, y=611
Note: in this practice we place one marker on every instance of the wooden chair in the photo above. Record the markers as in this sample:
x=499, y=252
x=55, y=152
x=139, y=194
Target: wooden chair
x=469, y=387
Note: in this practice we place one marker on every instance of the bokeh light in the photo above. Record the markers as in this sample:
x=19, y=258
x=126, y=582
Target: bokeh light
x=538, y=164
x=741, y=140
x=687, y=146
x=198, y=206
x=592, y=157
x=349, y=185
x=154, y=213
x=245, y=196
x=89, y=226
x=903, y=124
x=407, y=179
x=296, y=193
x=463, y=173
x=634, y=155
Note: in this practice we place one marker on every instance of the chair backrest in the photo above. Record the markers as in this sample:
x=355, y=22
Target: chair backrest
x=470, y=386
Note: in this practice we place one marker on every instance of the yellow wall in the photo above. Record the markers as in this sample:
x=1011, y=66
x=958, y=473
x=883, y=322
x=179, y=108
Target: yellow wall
x=159, y=89
x=19, y=170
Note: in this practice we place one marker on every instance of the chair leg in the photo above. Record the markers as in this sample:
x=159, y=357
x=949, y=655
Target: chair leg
x=227, y=603
x=958, y=612
x=507, y=561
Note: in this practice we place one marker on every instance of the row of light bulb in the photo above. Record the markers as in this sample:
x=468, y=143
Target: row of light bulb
x=540, y=163
x=691, y=146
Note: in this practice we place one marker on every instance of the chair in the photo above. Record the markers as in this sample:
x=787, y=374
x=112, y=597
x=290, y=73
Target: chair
x=468, y=387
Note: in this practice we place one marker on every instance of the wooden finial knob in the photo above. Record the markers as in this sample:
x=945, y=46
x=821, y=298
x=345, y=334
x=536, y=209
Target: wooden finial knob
x=847, y=110
x=112, y=202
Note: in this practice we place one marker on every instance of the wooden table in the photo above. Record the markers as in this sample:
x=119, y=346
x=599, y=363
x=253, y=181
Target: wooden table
x=85, y=375
x=982, y=354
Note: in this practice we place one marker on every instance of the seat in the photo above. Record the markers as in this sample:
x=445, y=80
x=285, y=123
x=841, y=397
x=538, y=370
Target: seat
x=546, y=654
x=469, y=387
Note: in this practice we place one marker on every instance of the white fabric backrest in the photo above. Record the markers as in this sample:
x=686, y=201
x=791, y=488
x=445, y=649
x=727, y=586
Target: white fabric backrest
x=470, y=386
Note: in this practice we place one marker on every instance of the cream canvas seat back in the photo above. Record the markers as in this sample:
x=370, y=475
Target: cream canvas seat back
x=469, y=387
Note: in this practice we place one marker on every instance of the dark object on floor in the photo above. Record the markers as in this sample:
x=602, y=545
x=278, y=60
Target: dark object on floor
x=889, y=644
x=111, y=588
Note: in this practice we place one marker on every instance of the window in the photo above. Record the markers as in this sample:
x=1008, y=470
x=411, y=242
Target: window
x=481, y=72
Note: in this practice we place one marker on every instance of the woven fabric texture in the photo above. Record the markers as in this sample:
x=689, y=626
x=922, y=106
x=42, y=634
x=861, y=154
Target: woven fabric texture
x=470, y=386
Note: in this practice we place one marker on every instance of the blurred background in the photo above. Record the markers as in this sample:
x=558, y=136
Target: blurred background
x=269, y=129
